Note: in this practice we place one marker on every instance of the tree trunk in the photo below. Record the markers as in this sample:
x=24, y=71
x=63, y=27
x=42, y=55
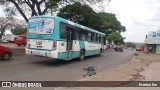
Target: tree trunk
x=2, y=31
x=20, y=10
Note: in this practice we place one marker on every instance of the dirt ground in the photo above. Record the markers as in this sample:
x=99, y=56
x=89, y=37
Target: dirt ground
x=143, y=67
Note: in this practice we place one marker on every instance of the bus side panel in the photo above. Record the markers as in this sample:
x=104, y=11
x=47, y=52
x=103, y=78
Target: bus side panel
x=74, y=52
x=92, y=52
x=57, y=29
x=62, y=50
x=76, y=49
x=92, y=48
x=76, y=46
x=62, y=46
x=82, y=45
x=63, y=55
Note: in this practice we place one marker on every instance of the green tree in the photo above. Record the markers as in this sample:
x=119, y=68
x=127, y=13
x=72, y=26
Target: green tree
x=84, y=15
x=130, y=44
x=104, y=22
x=115, y=38
x=81, y=14
x=110, y=23
x=37, y=7
x=18, y=30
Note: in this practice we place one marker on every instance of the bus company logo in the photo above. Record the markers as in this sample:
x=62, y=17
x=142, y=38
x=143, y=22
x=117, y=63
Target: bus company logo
x=6, y=84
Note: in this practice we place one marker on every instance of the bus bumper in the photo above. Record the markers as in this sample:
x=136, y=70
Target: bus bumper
x=51, y=54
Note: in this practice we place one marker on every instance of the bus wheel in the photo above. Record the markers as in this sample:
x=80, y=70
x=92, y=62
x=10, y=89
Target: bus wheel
x=82, y=55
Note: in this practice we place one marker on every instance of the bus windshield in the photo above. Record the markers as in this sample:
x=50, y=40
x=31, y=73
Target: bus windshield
x=41, y=26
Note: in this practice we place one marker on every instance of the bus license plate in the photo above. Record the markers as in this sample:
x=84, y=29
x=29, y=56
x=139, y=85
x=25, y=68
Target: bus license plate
x=39, y=47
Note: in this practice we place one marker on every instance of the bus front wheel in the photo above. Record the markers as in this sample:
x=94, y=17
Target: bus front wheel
x=82, y=55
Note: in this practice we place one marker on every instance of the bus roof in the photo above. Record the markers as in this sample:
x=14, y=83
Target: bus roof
x=69, y=22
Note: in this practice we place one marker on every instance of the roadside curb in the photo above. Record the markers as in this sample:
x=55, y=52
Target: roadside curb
x=18, y=51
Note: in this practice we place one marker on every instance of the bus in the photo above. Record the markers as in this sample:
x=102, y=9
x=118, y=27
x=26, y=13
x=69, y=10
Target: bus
x=55, y=37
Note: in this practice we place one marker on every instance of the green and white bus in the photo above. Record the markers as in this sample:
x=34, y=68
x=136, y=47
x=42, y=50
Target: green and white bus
x=55, y=37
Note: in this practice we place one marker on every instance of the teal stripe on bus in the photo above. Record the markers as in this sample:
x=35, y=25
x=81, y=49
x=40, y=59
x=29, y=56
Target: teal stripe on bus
x=75, y=54
x=39, y=49
x=91, y=52
x=82, y=45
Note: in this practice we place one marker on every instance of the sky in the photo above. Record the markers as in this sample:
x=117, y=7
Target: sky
x=138, y=16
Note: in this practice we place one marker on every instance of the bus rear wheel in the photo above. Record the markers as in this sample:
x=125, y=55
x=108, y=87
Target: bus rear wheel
x=82, y=55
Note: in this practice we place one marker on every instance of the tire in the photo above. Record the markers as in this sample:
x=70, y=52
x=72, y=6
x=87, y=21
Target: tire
x=82, y=55
x=19, y=45
x=6, y=56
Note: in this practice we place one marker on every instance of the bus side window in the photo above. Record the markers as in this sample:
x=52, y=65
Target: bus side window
x=96, y=37
x=104, y=40
x=92, y=35
x=76, y=34
x=62, y=31
x=82, y=35
x=89, y=37
x=71, y=30
x=101, y=38
x=86, y=34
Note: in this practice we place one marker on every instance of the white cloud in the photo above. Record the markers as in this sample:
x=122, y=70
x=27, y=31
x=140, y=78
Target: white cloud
x=139, y=17
x=2, y=14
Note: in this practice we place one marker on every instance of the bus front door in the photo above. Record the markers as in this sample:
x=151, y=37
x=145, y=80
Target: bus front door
x=69, y=42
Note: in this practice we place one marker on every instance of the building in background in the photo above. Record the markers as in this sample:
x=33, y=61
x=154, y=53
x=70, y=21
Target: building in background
x=152, y=41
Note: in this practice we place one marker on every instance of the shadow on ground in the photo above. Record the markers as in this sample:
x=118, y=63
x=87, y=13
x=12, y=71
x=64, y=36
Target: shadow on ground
x=58, y=62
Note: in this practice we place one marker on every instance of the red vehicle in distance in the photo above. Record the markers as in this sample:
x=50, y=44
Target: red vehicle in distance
x=141, y=48
x=20, y=40
x=5, y=53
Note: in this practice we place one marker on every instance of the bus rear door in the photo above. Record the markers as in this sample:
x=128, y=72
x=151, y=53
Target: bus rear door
x=69, y=42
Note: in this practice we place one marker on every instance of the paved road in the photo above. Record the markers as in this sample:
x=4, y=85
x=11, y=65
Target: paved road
x=35, y=68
